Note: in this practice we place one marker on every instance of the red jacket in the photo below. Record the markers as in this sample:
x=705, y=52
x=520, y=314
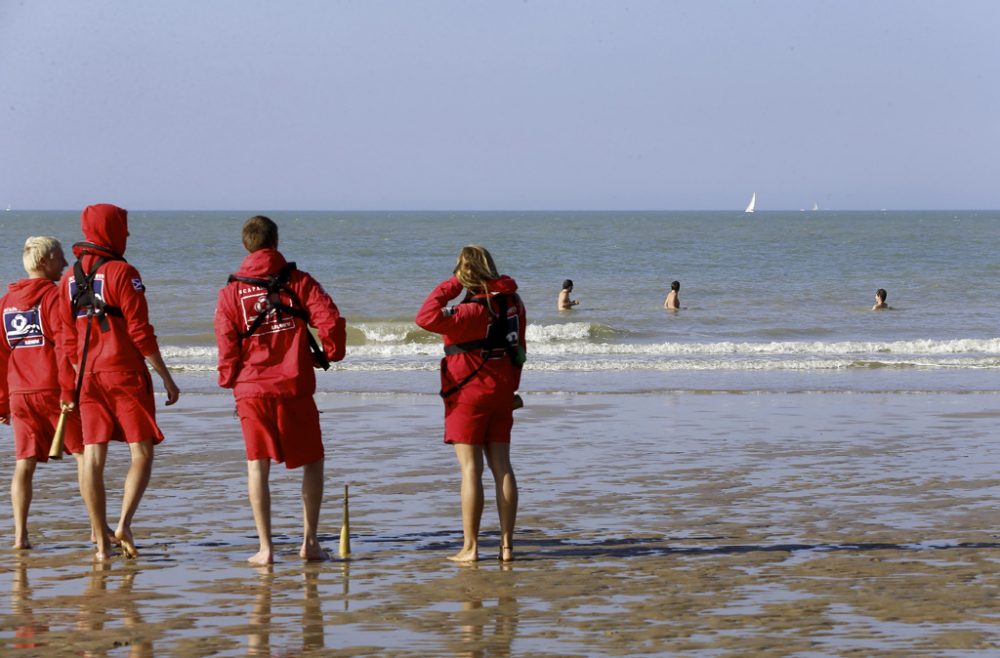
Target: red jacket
x=495, y=384
x=131, y=338
x=31, y=357
x=275, y=361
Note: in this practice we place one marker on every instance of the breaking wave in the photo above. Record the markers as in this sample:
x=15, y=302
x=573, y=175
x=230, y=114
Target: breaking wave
x=573, y=346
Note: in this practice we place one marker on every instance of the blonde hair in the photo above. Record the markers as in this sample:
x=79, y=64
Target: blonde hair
x=475, y=268
x=36, y=250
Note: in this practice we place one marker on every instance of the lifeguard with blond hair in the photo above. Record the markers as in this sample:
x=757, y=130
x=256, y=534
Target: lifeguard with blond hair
x=35, y=373
x=480, y=374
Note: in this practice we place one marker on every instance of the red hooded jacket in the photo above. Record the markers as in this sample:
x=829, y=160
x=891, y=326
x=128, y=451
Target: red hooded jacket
x=31, y=355
x=131, y=338
x=275, y=361
x=495, y=384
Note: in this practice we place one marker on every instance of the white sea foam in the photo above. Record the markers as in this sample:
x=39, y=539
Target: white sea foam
x=912, y=347
x=391, y=332
x=588, y=356
x=569, y=331
x=397, y=332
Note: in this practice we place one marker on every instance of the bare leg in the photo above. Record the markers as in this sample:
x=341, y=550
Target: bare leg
x=92, y=490
x=498, y=456
x=79, y=480
x=20, y=500
x=470, y=460
x=312, y=498
x=135, y=485
x=258, y=472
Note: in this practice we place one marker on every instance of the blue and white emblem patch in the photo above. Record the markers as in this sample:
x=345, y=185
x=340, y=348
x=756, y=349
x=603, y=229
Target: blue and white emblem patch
x=137, y=284
x=23, y=328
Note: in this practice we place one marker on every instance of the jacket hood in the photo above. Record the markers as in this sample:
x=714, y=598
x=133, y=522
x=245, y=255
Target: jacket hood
x=104, y=225
x=504, y=284
x=261, y=263
x=28, y=292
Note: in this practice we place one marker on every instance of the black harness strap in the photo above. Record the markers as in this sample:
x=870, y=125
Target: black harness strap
x=502, y=334
x=86, y=298
x=275, y=285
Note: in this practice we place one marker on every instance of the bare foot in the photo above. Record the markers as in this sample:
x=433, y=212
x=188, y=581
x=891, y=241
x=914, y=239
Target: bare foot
x=21, y=544
x=470, y=555
x=262, y=558
x=109, y=533
x=312, y=551
x=102, y=556
x=124, y=536
x=506, y=553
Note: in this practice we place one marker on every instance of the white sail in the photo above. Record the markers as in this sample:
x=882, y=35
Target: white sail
x=815, y=206
x=753, y=203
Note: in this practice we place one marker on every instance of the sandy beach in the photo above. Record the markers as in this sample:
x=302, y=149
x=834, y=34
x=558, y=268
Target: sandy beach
x=712, y=524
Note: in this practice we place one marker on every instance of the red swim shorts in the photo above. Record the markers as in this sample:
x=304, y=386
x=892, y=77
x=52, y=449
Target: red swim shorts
x=281, y=429
x=34, y=416
x=477, y=425
x=118, y=406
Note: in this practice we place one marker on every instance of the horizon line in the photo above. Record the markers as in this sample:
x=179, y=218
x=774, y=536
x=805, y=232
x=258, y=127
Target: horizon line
x=516, y=210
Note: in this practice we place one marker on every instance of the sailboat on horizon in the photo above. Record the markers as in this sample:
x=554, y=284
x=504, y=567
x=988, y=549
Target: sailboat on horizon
x=753, y=203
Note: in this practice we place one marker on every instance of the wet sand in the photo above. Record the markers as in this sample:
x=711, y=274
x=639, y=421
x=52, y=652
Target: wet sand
x=716, y=524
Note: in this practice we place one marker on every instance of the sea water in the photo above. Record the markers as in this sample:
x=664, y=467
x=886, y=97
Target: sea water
x=775, y=301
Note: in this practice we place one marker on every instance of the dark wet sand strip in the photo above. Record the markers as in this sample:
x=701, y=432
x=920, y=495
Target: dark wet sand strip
x=833, y=524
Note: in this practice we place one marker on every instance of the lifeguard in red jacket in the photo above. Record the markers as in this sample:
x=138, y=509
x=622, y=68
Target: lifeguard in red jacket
x=111, y=340
x=35, y=373
x=480, y=374
x=267, y=356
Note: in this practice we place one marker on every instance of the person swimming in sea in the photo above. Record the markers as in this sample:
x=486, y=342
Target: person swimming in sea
x=880, y=304
x=673, y=301
x=565, y=303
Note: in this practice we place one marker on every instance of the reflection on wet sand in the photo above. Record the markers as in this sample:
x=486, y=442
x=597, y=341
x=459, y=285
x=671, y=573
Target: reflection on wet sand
x=486, y=628
x=759, y=525
x=30, y=630
x=100, y=606
x=261, y=621
x=345, y=571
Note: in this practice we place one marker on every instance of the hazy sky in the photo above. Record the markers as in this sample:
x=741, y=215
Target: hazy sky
x=460, y=104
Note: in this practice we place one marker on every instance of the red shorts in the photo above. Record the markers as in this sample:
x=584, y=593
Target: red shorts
x=34, y=416
x=464, y=423
x=118, y=406
x=281, y=429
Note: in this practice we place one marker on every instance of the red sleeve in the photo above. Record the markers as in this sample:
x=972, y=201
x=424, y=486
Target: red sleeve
x=130, y=297
x=325, y=316
x=436, y=316
x=64, y=318
x=58, y=329
x=228, y=340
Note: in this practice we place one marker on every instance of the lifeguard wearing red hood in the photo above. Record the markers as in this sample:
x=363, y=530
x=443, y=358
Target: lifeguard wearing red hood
x=106, y=226
x=115, y=389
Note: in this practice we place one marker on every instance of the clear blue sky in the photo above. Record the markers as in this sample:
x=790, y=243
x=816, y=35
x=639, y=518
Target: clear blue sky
x=460, y=104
